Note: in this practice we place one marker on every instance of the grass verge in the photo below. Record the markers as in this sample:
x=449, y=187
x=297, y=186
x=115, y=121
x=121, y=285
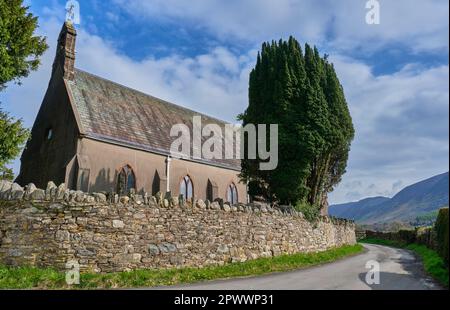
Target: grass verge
x=433, y=264
x=30, y=277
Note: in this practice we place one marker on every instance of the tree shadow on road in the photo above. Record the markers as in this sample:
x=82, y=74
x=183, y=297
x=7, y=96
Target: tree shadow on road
x=413, y=277
x=397, y=281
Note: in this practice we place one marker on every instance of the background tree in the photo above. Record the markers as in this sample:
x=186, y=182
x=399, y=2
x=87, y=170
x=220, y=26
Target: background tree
x=20, y=49
x=12, y=138
x=301, y=93
x=20, y=52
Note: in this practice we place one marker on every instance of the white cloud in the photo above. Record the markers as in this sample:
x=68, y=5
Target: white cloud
x=421, y=25
x=401, y=123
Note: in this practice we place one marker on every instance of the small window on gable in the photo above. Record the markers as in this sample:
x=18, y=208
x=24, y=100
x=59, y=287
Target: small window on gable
x=49, y=133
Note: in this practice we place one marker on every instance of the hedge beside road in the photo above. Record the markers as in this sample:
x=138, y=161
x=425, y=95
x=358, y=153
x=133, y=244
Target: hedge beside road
x=435, y=237
x=441, y=229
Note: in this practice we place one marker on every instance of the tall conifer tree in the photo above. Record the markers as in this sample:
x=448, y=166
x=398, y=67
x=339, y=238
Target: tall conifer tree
x=301, y=93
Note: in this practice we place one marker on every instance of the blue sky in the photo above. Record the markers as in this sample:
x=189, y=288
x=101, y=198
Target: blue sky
x=198, y=53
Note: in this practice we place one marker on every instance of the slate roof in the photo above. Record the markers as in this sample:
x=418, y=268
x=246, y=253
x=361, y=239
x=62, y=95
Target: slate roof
x=113, y=113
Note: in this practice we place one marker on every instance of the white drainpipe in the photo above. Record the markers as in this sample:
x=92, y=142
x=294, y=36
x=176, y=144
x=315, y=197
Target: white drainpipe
x=248, y=196
x=168, y=160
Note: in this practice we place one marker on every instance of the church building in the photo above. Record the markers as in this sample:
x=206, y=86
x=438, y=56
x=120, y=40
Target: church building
x=95, y=135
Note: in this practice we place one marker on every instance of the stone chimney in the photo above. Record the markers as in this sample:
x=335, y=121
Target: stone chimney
x=65, y=51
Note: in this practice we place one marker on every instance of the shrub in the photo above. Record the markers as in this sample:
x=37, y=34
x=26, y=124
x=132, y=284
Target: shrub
x=426, y=236
x=441, y=228
x=407, y=236
x=310, y=212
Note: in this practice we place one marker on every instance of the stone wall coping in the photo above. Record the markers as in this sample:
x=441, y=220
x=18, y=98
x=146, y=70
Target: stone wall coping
x=71, y=199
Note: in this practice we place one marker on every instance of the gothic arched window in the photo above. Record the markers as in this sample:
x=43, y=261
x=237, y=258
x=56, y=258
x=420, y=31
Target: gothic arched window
x=232, y=194
x=126, y=180
x=186, y=187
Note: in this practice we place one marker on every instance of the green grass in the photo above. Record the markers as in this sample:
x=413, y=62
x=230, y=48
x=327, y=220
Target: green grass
x=30, y=277
x=433, y=264
x=27, y=277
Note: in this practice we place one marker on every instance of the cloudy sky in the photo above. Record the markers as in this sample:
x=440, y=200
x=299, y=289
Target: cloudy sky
x=198, y=53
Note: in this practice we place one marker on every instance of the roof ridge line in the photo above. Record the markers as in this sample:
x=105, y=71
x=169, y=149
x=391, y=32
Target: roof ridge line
x=148, y=95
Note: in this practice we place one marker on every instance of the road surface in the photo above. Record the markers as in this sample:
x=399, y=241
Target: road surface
x=399, y=270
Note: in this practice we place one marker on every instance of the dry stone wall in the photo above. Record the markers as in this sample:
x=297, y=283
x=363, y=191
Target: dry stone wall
x=105, y=233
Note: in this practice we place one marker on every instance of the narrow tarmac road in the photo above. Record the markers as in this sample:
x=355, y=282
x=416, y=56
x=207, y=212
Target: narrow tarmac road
x=399, y=270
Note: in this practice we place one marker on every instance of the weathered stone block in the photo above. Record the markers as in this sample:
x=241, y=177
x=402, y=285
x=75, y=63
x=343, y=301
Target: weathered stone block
x=118, y=224
x=38, y=194
x=153, y=249
x=226, y=207
x=200, y=204
x=220, y=201
x=124, y=199
x=79, y=196
x=158, y=197
x=17, y=194
x=99, y=197
x=60, y=191
x=62, y=235
x=215, y=206
x=89, y=199
x=138, y=199
x=170, y=247
x=28, y=190
x=5, y=185
x=86, y=252
x=223, y=249
x=174, y=201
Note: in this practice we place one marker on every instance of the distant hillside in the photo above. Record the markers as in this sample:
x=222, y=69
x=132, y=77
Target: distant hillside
x=415, y=200
x=358, y=209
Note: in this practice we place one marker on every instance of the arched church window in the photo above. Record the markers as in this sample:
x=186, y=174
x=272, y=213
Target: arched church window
x=210, y=191
x=186, y=187
x=232, y=195
x=126, y=180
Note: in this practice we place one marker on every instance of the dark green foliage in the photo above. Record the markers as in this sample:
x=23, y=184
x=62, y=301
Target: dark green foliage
x=12, y=138
x=426, y=236
x=6, y=173
x=441, y=228
x=408, y=236
x=433, y=263
x=301, y=93
x=310, y=212
x=20, y=49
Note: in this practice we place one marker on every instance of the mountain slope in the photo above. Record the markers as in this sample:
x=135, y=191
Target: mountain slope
x=357, y=209
x=414, y=200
